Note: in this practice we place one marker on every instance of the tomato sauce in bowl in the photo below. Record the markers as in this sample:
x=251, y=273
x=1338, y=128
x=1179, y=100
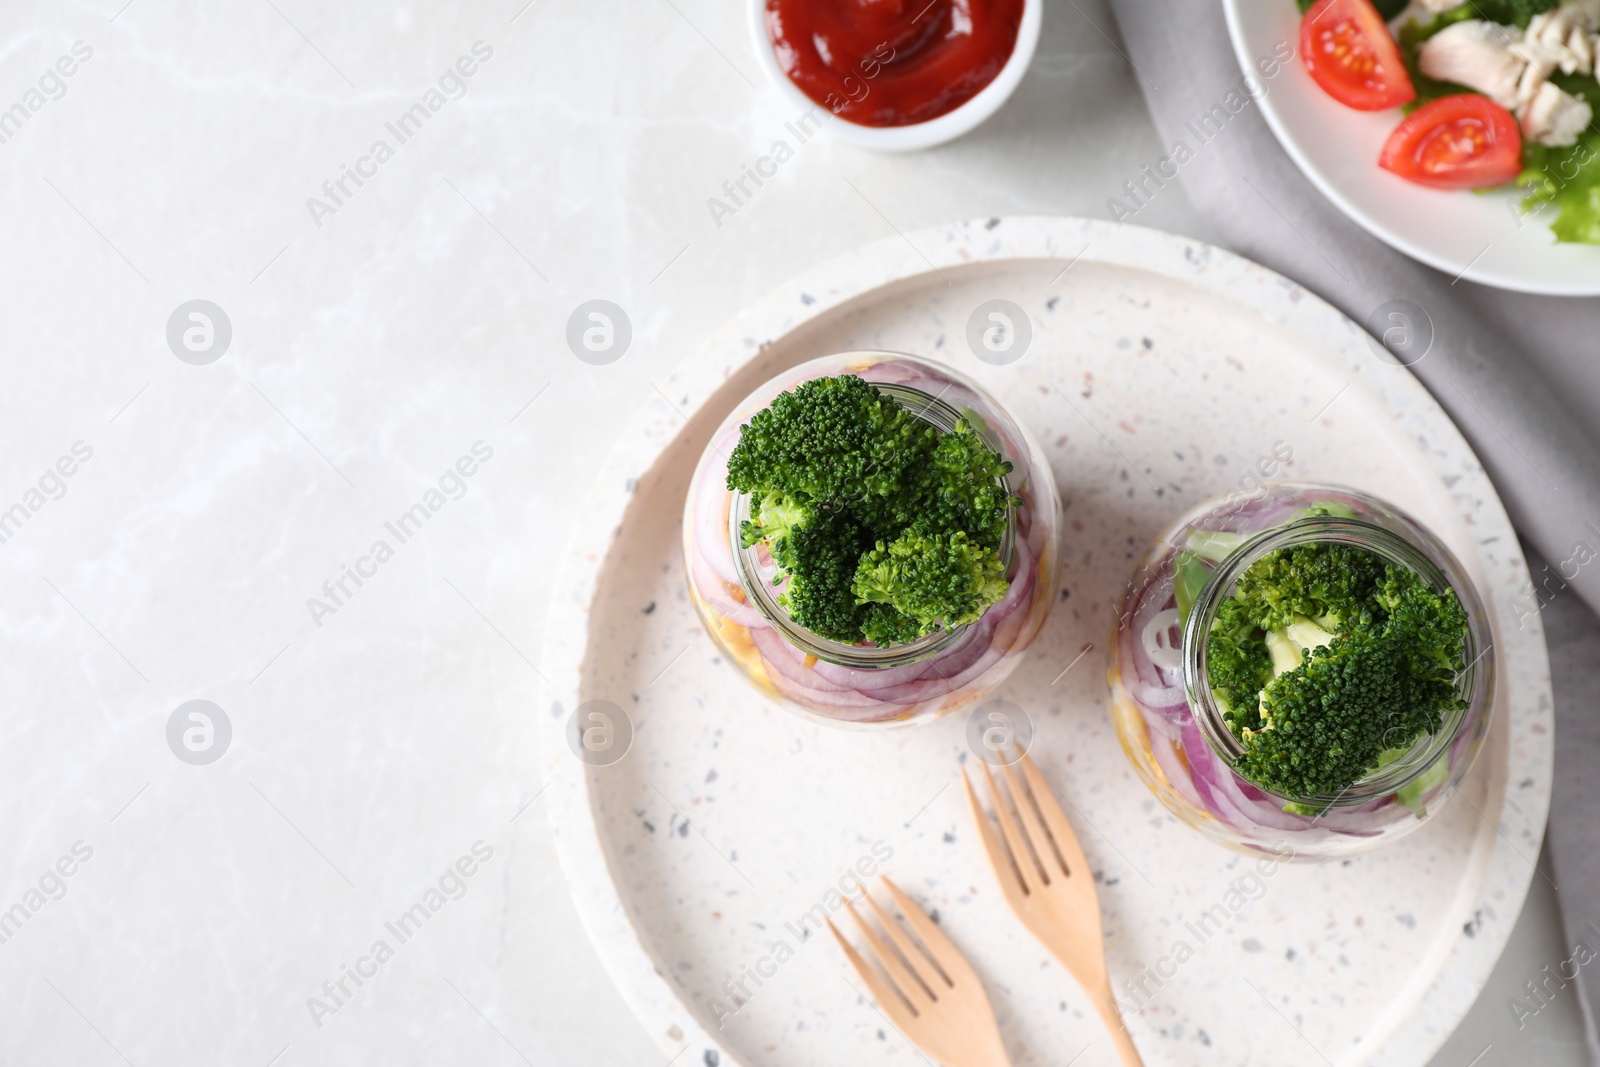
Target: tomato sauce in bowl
x=885, y=63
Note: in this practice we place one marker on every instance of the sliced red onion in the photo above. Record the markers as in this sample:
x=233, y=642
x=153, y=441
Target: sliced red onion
x=711, y=521
x=1166, y=722
x=1156, y=639
x=1171, y=764
x=1010, y=621
x=715, y=592
x=845, y=707
x=1194, y=792
x=1021, y=580
x=1217, y=774
x=1158, y=698
x=926, y=689
x=868, y=680
x=779, y=657
x=1146, y=683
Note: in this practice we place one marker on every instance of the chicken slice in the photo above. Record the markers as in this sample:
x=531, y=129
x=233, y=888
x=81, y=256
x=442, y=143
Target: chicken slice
x=1534, y=76
x=1480, y=55
x=1559, y=38
x=1585, y=13
x=1554, y=117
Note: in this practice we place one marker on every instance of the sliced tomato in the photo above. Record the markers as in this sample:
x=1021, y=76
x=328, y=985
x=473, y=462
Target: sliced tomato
x=1346, y=46
x=1464, y=141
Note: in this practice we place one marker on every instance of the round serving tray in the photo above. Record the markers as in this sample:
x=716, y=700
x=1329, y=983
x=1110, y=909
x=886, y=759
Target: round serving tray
x=1156, y=371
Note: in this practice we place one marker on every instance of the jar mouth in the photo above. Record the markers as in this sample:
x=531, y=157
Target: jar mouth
x=1419, y=551
x=755, y=578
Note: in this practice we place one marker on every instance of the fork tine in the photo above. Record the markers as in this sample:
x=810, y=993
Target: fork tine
x=945, y=954
x=1061, y=830
x=902, y=1014
x=903, y=974
x=1028, y=865
x=911, y=952
x=999, y=860
x=1038, y=836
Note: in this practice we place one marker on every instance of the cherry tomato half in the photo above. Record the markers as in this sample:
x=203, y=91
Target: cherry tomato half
x=1348, y=50
x=1464, y=141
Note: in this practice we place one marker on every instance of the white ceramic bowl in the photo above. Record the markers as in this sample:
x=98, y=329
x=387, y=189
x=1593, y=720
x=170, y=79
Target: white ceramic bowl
x=1477, y=236
x=946, y=127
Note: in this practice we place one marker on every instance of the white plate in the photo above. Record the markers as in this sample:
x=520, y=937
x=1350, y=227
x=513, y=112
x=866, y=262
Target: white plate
x=1478, y=236
x=729, y=818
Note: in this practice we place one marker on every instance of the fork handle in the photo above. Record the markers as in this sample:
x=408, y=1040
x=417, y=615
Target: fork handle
x=1119, y=1031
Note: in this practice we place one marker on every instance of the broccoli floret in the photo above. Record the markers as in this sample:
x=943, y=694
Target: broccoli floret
x=963, y=489
x=1328, y=582
x=821, y=558
x=938, y=580
x=1432, y=624
x=885, y=625
x=773, y=518
x=882, y=528
x=1326, y=722
x=1239, y=664
x=835, y=441
x=1356, y=658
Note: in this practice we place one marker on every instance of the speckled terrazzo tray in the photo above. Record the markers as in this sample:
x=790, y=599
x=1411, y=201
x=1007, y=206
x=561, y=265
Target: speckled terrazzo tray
x=1160, y=371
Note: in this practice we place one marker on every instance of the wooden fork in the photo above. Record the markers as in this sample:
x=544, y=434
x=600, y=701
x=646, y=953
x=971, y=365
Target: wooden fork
x=1046, y=880
x=926, y=988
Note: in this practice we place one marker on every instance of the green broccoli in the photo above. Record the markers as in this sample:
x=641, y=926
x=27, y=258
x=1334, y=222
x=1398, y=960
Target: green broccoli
x=884, y=625
x=1432, y=623
x=821, y=560
x=882, y=528
x=836, y=441
x=1238, y=663
x=773, y=518
x=1325, y=722
x=1350, y=658
x=1327, y=582
x=938, y=580
x=963, y=489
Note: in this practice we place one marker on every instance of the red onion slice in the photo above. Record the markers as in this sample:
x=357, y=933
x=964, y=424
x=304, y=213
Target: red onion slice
x=782, y=658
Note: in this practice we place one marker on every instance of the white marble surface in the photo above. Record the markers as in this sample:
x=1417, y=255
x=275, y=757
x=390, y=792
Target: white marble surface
x=369, y=354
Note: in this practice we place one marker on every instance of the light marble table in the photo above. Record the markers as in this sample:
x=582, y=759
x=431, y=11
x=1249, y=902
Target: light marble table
x=386, y=339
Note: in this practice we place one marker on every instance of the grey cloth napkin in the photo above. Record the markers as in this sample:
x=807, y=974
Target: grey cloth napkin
x=1573, y=634
x=1530, y=409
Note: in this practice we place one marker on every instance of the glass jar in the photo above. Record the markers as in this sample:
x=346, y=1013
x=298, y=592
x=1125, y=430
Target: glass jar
x=1172, y=728
x=863, y=685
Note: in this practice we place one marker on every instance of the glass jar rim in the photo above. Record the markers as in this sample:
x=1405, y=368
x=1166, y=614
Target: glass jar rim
x=943, y=417
x=1417, y=550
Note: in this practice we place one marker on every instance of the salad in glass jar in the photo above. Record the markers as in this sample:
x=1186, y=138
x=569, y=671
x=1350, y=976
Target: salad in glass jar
x=871, y=539
x=1308, y=673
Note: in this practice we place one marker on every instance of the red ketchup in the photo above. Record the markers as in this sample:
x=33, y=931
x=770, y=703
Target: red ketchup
x=892, y=62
